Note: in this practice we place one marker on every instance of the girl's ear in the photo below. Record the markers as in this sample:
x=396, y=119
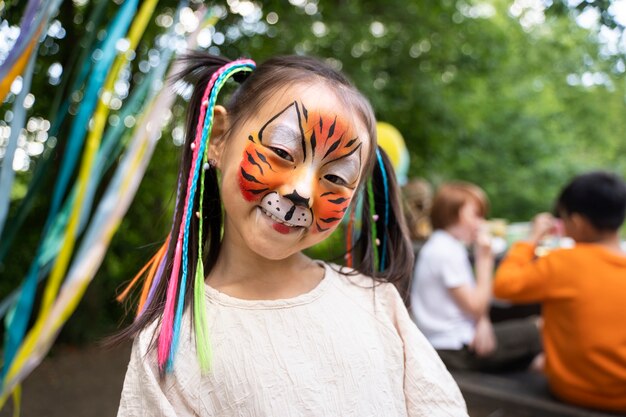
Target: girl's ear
x=217, y=141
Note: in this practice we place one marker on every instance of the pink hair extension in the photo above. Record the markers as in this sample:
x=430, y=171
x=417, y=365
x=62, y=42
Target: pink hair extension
x=165, y=337
x=167, y=323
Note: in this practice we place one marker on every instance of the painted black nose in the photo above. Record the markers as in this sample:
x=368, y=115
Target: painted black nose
x=297, y=199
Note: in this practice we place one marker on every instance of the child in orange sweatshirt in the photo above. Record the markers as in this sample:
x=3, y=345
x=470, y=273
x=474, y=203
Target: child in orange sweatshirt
x=582, y=291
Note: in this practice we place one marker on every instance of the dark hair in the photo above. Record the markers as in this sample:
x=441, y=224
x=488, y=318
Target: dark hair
x=254, y=89
x=398, y=250
x=599, y=196
x=449, y=200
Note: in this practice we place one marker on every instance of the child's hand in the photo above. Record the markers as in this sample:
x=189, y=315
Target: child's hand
x=542, y=225
x=482, y=247
x=484, y=342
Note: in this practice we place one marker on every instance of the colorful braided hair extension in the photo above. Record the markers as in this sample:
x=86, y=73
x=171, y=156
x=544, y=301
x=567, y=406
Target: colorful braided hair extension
x=383, y=171
x=177, y=285
x=350, y=235
x=374, y=217
x=172, y=315
x=377, y=233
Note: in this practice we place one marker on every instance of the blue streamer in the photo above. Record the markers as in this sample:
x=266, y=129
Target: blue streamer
x=204, y=141
x=77, y=134
x=386, y=190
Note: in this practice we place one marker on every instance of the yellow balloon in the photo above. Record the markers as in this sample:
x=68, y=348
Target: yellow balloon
x=392, y=142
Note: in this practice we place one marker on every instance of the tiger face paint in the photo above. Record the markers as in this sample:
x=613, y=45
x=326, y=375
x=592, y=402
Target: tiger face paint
x=302, y=168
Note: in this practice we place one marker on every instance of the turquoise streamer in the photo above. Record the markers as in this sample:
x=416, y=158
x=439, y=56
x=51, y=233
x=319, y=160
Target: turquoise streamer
x=206, y=132
x=147, y=88
x=77, y=134
x=18, y=319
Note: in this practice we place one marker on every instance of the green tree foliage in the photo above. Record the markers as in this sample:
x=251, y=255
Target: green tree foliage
x=502, y=93
x=480, y=90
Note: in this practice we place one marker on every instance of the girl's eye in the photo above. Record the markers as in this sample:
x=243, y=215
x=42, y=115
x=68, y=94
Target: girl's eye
x=335, y=179
x=282, y=153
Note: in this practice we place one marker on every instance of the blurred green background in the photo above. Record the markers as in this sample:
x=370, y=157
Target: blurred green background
x=516, y=96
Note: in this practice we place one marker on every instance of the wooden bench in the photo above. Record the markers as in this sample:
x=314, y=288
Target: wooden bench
x=516, y=394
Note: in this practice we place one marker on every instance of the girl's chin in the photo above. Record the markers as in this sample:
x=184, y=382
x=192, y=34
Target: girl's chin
x=272, y=248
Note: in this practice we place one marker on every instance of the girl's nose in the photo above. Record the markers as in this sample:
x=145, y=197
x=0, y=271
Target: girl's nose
x=299, y=189
x=297, y=199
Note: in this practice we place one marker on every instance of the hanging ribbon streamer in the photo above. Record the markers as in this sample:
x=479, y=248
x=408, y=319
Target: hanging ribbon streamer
x=17, y=124
x=57, y=114
x=106, y=220
x=92, y=144
x=32, y=26
x=7, y=175
x=107, y=154
x=96, y=81
x=21, y=315
x=19, y=55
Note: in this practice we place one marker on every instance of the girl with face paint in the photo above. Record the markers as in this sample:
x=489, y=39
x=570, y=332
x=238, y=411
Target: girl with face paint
x=233, y=318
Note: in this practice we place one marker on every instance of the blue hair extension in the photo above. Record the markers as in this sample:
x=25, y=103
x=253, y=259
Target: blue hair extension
x=206, y=132
x=386, y=191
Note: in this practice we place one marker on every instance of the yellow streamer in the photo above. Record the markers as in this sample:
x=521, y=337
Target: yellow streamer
x=17, y=401
x=91, y=146
x=73, y=302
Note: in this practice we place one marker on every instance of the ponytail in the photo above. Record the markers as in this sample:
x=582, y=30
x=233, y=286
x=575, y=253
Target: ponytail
x=166, y=288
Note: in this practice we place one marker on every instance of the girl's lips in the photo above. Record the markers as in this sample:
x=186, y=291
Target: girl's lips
x=282, y=228
x=278, y=225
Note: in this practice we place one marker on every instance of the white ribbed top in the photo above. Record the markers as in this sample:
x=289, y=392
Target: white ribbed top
x=341, y=349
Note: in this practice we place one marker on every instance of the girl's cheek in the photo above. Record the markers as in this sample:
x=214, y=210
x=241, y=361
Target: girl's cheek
x=258, y=174
x=329, y=209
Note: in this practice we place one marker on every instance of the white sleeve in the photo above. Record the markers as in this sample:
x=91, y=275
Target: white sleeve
x=429, y=389
x=142, y=395
x=456, y=270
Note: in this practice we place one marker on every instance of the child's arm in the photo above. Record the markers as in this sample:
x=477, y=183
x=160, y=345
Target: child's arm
x=520, y=277
x=429, y=389
x=475, y=300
